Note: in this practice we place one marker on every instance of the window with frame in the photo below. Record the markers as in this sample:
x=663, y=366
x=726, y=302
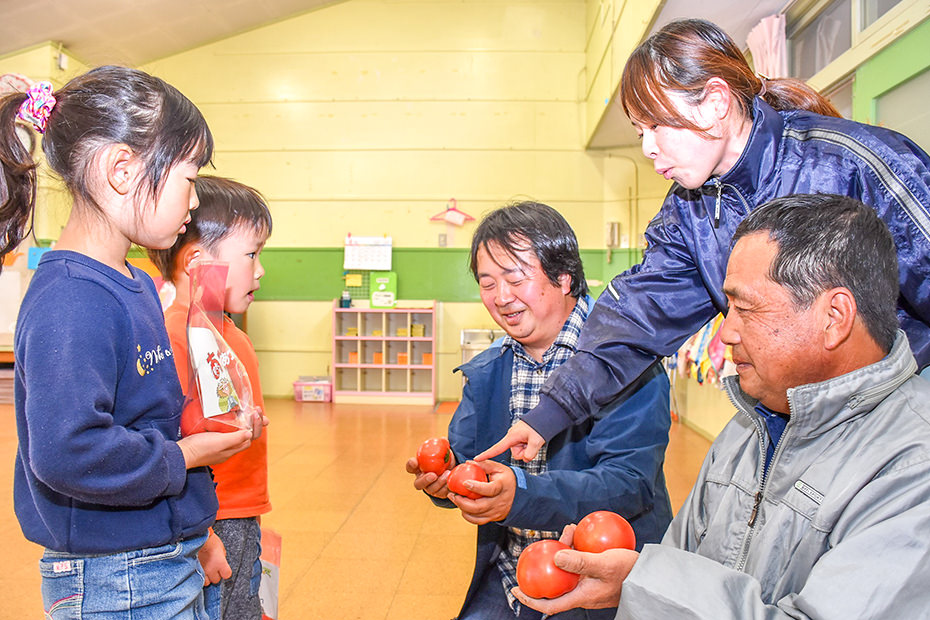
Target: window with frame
x=900, y=109
x=823, y=29
x=870, y=11
x=819, y=41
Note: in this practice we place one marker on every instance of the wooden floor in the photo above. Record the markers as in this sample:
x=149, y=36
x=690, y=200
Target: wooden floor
x=358, y=541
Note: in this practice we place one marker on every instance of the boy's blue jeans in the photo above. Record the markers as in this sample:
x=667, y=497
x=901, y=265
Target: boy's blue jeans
x=147, y=584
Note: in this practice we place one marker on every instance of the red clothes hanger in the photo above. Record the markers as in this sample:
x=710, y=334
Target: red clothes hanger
x=452, y=214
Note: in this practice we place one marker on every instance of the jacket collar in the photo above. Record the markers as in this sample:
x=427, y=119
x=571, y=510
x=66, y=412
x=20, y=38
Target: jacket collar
x=818, y=407
x=757, y=162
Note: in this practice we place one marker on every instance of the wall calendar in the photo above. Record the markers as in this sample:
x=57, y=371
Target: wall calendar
x=372, y=253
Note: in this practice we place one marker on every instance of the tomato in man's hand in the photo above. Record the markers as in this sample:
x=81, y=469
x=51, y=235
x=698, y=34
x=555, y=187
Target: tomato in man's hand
x=537, y=574
x=434, y=455
x=602, y=530
x=461, y=473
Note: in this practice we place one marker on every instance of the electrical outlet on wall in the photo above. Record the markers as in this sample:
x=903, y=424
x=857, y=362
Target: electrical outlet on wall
x=442, y=240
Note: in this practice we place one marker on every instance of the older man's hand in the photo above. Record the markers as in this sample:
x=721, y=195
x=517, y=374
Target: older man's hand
x=602, y=576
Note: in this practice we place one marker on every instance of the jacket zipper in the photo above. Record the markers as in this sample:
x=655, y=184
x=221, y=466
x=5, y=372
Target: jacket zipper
x=760, y=494
x=744, y=551
x=720, y=186
x=858, y=398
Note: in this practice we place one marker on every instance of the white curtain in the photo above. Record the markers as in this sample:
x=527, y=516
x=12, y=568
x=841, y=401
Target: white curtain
x=828, y=30
x=766, y=41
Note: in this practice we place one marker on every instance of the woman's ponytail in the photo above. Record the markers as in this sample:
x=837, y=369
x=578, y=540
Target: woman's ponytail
x=792, y=94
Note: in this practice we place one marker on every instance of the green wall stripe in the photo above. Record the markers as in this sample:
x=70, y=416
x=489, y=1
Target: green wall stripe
x=316, y=274
x=301, y=274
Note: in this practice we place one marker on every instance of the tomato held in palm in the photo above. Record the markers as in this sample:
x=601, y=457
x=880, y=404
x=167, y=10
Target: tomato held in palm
x=602, y=530
x=193, y=420
x=434, y=455
x=461, y=473
x=537, y=574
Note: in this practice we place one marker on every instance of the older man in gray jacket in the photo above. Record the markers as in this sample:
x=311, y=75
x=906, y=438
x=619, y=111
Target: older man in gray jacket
x=814, y=501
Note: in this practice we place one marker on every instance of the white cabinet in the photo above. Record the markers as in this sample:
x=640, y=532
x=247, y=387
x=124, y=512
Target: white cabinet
x=384, y=356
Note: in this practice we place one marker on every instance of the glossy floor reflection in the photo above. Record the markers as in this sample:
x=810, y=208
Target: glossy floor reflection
x=358, y=541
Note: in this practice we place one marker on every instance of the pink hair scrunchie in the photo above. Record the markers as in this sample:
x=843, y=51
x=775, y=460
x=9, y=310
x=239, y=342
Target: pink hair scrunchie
x=38, y=105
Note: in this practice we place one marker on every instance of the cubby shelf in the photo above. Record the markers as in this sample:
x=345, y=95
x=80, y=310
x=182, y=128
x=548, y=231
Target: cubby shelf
x=377, y=360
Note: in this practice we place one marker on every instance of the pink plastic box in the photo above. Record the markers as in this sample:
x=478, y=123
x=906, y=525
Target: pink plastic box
x=313, y=389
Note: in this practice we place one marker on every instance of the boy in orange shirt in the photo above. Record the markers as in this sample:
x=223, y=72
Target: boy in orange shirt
x=231, y=225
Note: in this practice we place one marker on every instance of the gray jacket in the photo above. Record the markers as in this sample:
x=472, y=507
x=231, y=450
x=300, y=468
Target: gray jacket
x=838, y=528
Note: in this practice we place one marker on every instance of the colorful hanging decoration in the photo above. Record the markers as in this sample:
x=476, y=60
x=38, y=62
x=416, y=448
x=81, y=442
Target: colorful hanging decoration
x=704, y=357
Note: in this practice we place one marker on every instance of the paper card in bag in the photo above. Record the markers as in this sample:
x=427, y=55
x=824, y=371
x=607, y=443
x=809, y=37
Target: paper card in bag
x=220, y=397
x=217, y=394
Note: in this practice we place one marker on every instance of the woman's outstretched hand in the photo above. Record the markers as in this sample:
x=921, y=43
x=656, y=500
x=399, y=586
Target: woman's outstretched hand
x=523, y=441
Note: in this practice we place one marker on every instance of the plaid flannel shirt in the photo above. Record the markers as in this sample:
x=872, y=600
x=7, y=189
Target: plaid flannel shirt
x=526, y=379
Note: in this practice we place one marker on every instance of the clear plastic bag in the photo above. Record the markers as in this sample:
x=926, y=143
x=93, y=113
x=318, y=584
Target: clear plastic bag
x=219, y=397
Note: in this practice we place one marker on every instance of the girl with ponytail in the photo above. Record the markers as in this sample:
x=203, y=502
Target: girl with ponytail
x=102, y=480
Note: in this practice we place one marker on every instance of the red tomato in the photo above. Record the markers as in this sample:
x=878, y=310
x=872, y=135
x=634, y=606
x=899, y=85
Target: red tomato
x=434, y=455
x=461, y=473
x=192, y=421
x=602, y=530
x=537, y=574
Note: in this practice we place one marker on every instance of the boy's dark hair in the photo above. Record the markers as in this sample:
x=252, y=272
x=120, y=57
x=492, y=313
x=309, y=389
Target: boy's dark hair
x=225, y=205
x=537, y=227
x=825, y=241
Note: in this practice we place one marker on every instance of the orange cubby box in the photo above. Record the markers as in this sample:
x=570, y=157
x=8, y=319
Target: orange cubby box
x=378, y=357
x=353, y=357
x=403, y=358
x=427, y=359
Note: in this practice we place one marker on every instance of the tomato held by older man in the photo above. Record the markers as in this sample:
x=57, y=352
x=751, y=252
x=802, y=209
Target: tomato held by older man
x=602, y=530
x=537, y=574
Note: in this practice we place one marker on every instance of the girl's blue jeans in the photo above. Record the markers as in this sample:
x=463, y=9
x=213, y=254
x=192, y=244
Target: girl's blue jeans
x=147, y=584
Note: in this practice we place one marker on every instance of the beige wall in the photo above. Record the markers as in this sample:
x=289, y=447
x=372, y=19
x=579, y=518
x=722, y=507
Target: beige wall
x=704, y=407
x=370, y=115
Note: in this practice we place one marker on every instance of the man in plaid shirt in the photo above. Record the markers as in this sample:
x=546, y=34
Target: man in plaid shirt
x=525, y=259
